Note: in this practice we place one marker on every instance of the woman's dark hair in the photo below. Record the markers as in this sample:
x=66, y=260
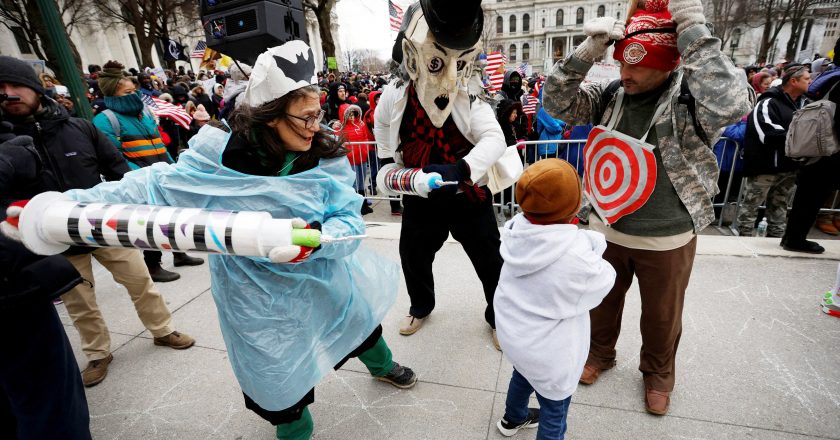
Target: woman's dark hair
x=253, y=122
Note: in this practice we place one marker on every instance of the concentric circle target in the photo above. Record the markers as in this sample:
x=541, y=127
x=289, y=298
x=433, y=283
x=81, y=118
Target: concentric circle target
x=619, y=172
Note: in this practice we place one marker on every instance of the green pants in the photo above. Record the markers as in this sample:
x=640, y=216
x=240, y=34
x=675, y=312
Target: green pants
x=377, y=359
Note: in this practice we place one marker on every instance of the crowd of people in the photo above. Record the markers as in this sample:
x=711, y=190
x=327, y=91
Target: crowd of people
x=261, y=138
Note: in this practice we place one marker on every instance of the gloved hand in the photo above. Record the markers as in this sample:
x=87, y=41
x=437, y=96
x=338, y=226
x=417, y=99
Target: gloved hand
x=294, y=253
x=454, y=172
x=601, y=31
x=9, y=227
x=6, y=131
x=686, y=13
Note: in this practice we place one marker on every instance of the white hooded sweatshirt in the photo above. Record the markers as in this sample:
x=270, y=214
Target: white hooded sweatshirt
x=552, y=276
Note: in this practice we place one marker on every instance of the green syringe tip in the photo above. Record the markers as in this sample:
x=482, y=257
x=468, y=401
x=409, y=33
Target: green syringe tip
x=306, y=237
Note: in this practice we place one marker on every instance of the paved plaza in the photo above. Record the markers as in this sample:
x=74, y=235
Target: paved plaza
x=757, y=360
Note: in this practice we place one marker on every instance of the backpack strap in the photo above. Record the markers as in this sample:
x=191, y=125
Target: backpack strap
x=115, y=123
x=688, y=100
x=607, y=96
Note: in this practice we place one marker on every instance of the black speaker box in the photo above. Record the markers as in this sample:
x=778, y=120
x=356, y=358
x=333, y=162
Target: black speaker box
x=245, y=31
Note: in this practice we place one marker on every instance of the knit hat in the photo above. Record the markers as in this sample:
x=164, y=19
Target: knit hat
x=650, y=38
x=549, y=191
x=201, y=113
x=15, y=71
x=110, y=77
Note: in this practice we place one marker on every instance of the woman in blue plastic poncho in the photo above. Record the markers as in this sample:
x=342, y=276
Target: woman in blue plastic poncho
x=285, y=325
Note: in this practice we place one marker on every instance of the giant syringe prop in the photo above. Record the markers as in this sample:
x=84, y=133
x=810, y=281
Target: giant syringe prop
x=394, y=180
x=51, y=223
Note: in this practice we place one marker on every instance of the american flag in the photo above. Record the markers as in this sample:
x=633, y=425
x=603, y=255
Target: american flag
x=198, y=52
x=531, y=107
x=396, y=14
x=523, y=69
x=495, y=70
x=164, y=109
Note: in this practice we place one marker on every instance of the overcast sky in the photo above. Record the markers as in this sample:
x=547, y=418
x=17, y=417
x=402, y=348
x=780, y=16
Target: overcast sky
x=364, y=24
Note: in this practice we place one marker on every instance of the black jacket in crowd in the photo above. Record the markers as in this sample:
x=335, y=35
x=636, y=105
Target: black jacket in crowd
x=73, y=154
x=767, y=124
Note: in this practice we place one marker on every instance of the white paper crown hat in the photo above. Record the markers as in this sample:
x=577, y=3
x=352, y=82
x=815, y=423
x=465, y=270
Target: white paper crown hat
x=280, y=70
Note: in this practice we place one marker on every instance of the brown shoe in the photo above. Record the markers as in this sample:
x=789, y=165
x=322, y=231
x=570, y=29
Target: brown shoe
x=826, y=226
x=590, y=374
x=410, y=325
x=96, y=371
x=657, y=402
x=176, y=340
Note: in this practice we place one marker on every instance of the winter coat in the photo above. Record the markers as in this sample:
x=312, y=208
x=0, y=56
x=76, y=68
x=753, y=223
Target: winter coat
x=552, y=277
x=368, y=116
x=333, y=103
x=767, y=124
x=725, y=148
x=357, y=131
x=721, y=94
x=73, y=152
x=139, y=140
x=474, y=118
x=503, y=111
x=549, y=129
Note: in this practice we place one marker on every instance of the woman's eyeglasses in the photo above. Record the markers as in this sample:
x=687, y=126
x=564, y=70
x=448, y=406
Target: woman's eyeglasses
x=311, y=121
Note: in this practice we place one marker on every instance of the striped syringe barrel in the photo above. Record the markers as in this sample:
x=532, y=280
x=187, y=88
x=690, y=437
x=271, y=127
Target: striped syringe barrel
x=50, y=224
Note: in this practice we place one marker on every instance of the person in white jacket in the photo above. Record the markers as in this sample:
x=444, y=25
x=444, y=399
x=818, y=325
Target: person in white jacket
x=552, y=277
x=427, y=120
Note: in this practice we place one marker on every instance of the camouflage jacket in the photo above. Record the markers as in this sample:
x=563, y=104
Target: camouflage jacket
x=722, y=97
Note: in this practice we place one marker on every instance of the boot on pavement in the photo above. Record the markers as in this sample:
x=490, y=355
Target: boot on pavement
x=176, y=340
x=657, y=402
x=96, y=371
x=161, y=275
x=182, y=259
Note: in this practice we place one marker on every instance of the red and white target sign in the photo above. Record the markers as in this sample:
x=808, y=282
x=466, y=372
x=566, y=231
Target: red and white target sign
x=619, y=173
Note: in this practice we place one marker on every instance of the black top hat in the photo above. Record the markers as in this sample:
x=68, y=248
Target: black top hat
x=455, y=24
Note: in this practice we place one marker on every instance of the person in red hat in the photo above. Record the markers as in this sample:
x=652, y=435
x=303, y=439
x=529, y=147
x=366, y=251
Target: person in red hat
x=650, y=172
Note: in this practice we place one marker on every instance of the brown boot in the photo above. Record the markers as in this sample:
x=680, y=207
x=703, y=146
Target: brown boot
x=96, y=371
x=176, y=340
x=590, y=374
x=657, y=402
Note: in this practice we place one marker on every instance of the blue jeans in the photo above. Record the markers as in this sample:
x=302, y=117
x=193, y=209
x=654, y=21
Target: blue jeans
x=552, y=412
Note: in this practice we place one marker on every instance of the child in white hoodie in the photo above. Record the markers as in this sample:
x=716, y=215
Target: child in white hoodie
x=552, y=276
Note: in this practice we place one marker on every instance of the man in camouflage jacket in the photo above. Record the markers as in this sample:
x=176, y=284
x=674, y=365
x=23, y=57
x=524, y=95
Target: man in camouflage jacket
x=656, y=241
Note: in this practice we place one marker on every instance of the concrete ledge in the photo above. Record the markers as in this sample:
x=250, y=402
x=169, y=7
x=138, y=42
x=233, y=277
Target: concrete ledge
x=706, y=244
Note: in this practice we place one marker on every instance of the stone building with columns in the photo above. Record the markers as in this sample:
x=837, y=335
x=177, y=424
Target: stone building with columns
x=541, y=32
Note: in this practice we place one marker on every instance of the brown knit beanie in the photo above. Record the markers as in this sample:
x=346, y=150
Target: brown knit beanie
x=549, y=192
x=109, y=77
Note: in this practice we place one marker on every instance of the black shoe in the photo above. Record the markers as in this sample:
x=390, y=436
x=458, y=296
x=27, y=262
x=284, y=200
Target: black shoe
x=366, y=209
x=508, y=429
x=161, y=275
x=806, y=246
x=182, y=259
x=400, y=377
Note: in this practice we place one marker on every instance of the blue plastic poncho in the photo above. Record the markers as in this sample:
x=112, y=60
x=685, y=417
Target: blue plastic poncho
x=285, y=325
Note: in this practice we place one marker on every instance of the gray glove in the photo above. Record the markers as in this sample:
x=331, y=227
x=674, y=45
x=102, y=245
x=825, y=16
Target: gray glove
x=601, y=31
x=686, y=13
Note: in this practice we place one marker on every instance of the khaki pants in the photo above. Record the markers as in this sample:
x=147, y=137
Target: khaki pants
x=129, y=269
x=663, y=277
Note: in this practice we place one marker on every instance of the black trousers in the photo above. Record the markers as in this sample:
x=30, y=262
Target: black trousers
x=153, y=257
x=295, y=411
x=814, y=183
x=41, y=391
x=426, y=225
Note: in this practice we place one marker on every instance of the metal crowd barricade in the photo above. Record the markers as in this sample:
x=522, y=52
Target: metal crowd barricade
x=368, y=171
x=505, y=202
